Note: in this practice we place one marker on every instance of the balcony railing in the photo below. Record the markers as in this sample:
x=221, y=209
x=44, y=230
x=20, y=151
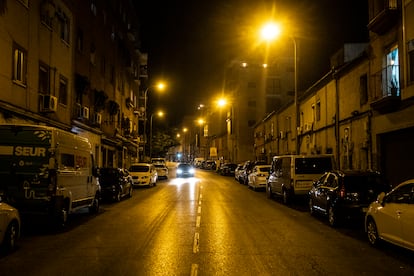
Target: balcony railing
x=386, y=89
x=383, y=14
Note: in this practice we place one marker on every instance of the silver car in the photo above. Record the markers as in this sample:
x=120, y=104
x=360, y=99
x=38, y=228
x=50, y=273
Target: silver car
x=9, y=226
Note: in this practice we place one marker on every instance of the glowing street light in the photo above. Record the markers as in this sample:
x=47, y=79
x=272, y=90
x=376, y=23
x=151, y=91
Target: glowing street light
x=159, y=114
x=269, y=32
x=160, y=86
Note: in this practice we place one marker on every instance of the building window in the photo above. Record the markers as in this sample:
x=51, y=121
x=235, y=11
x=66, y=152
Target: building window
x=63, y=90
x=411, y=61
x=79, y=41
x=391, y=76
x=318, y=111
x=251, y=84
x=19, y=64
x=251, y=103
x=64, y=23
x=363, y=89
x=44, y=73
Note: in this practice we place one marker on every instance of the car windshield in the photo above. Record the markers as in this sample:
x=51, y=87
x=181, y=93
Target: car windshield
x=139, y=168
x=315, y=165
x=184, y=166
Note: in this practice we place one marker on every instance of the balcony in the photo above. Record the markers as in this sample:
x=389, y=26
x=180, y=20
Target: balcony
x=386, y=88
x=383, y=15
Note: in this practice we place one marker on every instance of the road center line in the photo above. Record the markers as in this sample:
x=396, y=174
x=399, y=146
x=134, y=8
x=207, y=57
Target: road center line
x=194, y=269
x=199, y=210
x=196, y=241
x=198, y=221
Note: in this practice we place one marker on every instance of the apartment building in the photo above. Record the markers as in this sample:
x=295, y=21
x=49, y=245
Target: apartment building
x=74, y=65
x=362, y=110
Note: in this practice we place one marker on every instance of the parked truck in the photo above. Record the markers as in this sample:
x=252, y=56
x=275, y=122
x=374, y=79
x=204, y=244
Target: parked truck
x=47, y=171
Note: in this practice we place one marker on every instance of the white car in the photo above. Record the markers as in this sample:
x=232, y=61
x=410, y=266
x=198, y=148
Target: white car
x=143, y=174
x=258, y=177
x=162, y=170
x=9, y=226
x=391, y=217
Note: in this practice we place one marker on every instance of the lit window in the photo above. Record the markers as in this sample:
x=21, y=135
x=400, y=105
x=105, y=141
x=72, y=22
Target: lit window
x=19, y=64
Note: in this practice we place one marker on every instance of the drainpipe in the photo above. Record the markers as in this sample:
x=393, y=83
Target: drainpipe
x=337, y=142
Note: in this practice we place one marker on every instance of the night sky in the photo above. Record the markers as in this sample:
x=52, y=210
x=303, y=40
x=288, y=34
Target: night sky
x=190, y=42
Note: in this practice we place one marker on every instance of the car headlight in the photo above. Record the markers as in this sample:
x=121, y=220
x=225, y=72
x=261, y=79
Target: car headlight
x=191, y=171
x=179, y=171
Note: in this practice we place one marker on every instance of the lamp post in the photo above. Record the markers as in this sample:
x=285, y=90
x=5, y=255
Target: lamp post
x=269, y=32
x=159, y=114
x=160, y=86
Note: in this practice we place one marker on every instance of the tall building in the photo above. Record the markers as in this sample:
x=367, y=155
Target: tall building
x=74, y=65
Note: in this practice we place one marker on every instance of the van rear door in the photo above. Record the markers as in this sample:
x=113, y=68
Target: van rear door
x=24, y=162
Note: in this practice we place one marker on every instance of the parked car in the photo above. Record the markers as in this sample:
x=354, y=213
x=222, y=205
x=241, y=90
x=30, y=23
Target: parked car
x=247, y=169
x=115, y=183
x=390, y=218
x=227, y=169
x=237, y=171
x=292, y=175
x=143, y=174
x=185, y=170
x=162, y=170
x=258, y=177
x=342, y=195
x=10, y=225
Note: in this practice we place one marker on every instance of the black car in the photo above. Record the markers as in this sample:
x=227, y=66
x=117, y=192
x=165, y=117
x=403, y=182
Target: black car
x=342, y=195
x=115, y=183
x=227, y=169
x=185, y=170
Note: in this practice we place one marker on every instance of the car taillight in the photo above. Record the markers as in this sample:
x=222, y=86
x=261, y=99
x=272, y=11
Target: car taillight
x=342, y=192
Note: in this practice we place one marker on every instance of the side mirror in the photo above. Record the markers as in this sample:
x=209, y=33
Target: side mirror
x=380, y=198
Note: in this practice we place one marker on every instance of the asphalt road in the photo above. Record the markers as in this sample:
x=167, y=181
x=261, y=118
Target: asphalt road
x=206, y=225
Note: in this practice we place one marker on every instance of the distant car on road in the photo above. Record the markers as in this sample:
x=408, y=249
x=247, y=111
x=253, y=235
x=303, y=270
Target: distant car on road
x=162, y=170
x=185, y=170
x=342, y=195
x=143, y=174
x=9, y=226
x=391, y=217
x=115, y=183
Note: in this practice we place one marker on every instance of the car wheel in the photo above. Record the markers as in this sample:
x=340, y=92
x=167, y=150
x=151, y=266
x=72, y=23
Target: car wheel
x=95, y=205
x=311, y=208
x=286, y=196
x=130, y=191
x=332, y=217
x=118, y=196
x=10, y=238
x=372, y=232
x=269, y=192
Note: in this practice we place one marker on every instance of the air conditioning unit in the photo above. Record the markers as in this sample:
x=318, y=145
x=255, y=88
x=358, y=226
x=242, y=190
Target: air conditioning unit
x=84, y=112
x=97, y=118
x=48, y=103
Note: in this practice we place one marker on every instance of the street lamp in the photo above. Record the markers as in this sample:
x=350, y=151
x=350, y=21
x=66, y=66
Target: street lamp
x=159, y=114
x=159, y=86
x=269, y=32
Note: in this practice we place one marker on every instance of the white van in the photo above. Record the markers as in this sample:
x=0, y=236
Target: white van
x=293, y=175
x=45, y=170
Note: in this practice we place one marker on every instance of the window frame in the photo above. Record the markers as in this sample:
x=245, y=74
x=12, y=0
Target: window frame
x=19, y=65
